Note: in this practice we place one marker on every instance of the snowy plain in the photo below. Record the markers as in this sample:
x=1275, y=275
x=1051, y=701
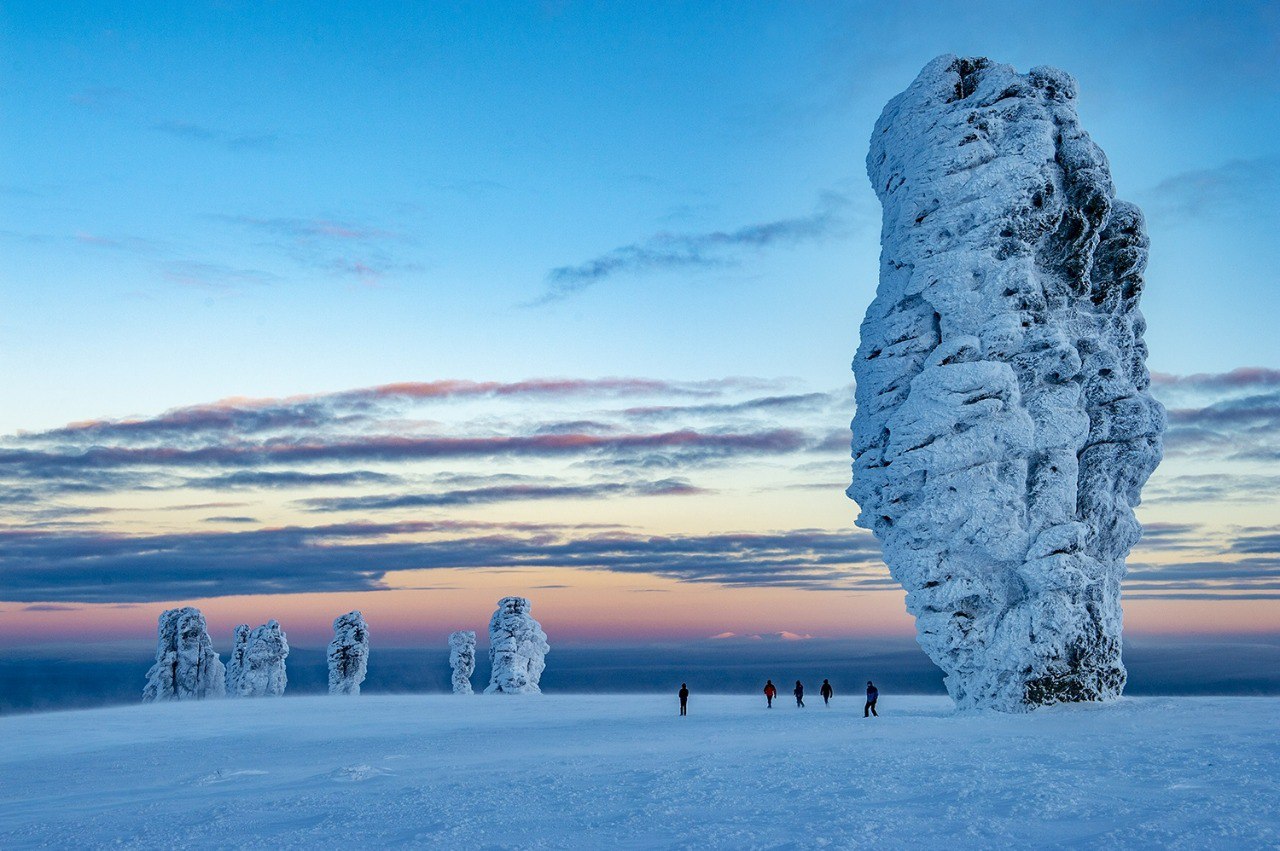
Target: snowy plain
x=561, y=771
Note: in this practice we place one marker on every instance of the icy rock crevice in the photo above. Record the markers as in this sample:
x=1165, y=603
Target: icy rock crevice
x=517, y=649
x=348, y=654
x=462, y=658
x=186, y=666
x=1003, y=429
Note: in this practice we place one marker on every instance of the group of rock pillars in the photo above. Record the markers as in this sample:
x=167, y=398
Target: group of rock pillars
x=188, y=668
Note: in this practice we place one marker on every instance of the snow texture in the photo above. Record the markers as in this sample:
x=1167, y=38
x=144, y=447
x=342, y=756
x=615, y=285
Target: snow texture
x=259, y=662
x=623, y=771
x=235, y=664
x=348, y=654
x=1004, y=429
x=186, y=667
x=462, y=658
x=517, y=649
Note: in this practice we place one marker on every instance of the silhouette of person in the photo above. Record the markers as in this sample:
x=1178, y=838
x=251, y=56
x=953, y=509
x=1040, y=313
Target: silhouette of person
x=799, y=693
x=770, y=692
x=872, y=695
x=826, y=692
x=684, y=699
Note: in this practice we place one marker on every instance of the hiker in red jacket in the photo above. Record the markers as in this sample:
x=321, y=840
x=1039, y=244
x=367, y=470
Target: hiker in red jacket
x=769, y=692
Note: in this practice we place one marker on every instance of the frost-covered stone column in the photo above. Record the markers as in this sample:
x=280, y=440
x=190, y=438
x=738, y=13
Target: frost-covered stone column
x=235, y=663
x=1004, y=429
x=348, y=654
x=186, y=666
x=261, y=671
x=517, y=649
x=462, y=658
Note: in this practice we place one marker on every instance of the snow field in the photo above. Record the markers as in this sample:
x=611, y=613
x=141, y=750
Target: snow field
x=561, y=771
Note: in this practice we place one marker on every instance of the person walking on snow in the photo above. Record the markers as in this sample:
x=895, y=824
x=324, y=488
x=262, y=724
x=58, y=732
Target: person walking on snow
x=872, y=694
x=684, y=699
x=799, y=693
x=770, y=692
x=826, y=692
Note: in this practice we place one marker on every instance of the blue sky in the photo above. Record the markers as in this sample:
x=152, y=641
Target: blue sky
x=228, y=200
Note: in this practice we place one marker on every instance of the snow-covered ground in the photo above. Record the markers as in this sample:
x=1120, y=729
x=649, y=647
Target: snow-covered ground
x=625, y=771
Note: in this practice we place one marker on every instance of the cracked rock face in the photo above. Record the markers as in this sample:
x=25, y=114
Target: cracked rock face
x=1004, y=429
x=258, y=661
x=517, y=649
x=462, y=658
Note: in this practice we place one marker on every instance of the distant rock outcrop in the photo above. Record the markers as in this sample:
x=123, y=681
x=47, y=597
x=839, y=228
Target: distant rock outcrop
x=348, y=654
x=1004, y=429
x=186, y=666
x=462, y=658
x=517, y=649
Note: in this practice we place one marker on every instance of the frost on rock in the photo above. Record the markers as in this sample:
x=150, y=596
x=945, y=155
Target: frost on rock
x=1004, y=429
x=258, y=658
x=517, y=649
x=462, y=658
x=348, y=654
x=235, y=664
x=186, y=667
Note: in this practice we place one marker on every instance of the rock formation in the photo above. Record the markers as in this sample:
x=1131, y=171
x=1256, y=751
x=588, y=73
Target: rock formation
x=517, y=649
x=261, y=665
x=235, y=663
x=1004, y=429
x=462, y=658
x=348, y=654
x=186, y=667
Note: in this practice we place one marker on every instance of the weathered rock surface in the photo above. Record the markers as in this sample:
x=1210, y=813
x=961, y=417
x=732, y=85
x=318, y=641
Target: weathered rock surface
x=1004, y=429
x=348, y=654
x=462, y=658
x=517, y=649
x=259, y=662
x=186, y=666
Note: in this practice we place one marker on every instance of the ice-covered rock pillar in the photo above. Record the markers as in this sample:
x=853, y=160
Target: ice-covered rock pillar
x=262, y=662
x=1003, y=429
x=462, y=658
x=348, y=654
x=235, y=663
x=517, y=649
x=186, y=666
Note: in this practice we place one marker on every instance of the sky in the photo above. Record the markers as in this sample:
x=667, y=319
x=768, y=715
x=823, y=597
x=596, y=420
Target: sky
x=407, y=307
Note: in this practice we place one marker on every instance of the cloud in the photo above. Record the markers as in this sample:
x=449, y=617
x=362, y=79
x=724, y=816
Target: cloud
x=1239, y=428
x=72, y=566
x=1238, y=186
x=502, y=493
x=1212, y=487
x=670, y=251
x=1248, y=378
x=213, y=276
x=231, y=140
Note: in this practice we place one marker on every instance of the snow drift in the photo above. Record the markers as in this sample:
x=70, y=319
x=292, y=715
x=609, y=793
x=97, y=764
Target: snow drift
x=186, y=667
x=1004, y=429
x=348, y=654
x=517, y=649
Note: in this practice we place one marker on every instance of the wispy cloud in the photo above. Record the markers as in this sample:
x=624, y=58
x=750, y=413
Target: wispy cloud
x=75, y=567
x=671, y=251
x=230, y=139
x=1233, y=187
x=514, y=492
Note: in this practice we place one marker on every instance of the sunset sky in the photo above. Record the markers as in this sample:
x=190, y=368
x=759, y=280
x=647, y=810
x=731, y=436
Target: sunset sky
x=406, y=307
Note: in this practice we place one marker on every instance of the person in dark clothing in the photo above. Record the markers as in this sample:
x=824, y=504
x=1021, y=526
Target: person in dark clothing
x=770, y=692
x=826, y=692
x=684, y=699
x=872, y=694
x=799, y=693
